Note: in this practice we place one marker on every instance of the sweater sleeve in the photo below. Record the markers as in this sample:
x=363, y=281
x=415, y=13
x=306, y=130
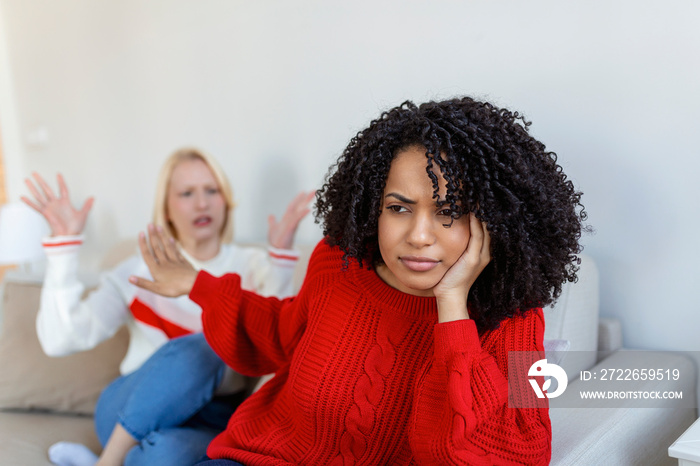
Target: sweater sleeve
x=270, y=272
x=254, y=335
x=461, y=415
x=65, y=322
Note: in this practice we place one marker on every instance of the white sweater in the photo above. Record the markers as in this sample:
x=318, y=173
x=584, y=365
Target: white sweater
x=66, y=324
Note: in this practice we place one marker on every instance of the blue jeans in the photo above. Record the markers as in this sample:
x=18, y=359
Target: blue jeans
x=208, y=462
x=168, y=404
x=220, y=462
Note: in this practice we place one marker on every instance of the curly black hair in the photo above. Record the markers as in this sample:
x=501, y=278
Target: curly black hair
x=495, y=169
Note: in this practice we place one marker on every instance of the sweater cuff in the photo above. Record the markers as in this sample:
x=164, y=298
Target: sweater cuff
x=456, y=337
x=61, y=260
x=204, y=284
x=61, y=244
x=283, y=257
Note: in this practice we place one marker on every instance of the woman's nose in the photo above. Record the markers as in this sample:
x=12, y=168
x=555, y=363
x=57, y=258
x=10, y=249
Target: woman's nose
x=201, y=200
x=421, y=232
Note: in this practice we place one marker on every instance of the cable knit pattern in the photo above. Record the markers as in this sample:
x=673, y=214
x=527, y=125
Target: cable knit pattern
x=365, y=375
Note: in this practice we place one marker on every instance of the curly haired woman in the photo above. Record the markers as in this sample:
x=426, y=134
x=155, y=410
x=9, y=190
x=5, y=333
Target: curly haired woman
x=447, y=228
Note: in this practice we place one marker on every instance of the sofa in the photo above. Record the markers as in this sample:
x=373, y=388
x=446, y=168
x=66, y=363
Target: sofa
x=44, y=400
x=624, y=432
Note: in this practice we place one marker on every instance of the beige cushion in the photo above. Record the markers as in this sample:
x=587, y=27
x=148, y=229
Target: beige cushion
x=30, y=379
x=26, y=437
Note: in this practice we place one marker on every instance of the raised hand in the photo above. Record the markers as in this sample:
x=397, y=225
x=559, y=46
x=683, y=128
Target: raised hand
x=63, y=218
x=281, y=234
x=172, y=274
x=451, y=292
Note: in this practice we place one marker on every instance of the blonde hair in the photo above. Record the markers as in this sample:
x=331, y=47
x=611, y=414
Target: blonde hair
x=160, y=206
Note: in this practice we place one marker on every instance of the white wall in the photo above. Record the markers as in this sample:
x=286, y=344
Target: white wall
x=13, y=160
x=275, y=90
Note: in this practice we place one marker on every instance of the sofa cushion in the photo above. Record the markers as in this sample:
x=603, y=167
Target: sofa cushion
x=32, y=380
x=574, y=317
x=624, y=433
x=26, y=437
x=555, y=350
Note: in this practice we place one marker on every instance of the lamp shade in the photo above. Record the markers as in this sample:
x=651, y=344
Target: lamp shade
x=21, y=232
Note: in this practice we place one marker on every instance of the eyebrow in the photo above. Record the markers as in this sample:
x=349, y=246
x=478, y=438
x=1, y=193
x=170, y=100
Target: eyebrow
x=439, y=202
x=400, y=198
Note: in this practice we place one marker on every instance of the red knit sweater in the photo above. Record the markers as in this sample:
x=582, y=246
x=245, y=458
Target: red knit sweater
x=364, y=374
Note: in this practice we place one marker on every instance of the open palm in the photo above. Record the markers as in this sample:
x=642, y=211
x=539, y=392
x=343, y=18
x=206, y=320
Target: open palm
x=63, y=218
x=281, y=233
x=172, y=275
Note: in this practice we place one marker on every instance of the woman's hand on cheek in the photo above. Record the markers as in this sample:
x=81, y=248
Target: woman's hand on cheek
x=172, y=274
x=451, y=292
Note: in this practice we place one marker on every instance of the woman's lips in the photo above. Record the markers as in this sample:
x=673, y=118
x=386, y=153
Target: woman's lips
x=419, y=264
x=202, y=221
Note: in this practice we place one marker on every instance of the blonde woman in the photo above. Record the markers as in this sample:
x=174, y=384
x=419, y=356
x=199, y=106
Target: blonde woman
x=168, y=403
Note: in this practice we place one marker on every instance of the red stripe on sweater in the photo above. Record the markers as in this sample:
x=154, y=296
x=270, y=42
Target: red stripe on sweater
x=144, y=314
x=282, y=256
x=65, y=243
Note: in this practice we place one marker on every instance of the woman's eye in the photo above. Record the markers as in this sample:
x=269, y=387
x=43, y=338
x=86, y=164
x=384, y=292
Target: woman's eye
x=455, y=214
x=186, y=193
x=396, y=208
x=213, y=191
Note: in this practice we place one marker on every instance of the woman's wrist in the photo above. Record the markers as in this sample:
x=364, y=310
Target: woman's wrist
x=452, y=307
x=188, y=281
